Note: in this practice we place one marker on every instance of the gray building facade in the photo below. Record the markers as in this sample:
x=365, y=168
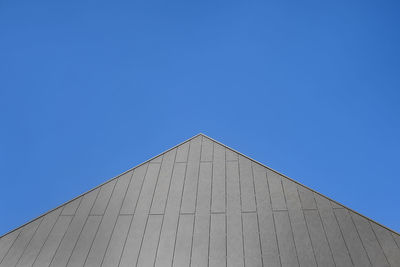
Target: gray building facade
x=201, y=204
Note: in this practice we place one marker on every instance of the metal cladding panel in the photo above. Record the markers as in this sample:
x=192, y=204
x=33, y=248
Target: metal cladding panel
x=114, y=250
x=86, y=238
x=52, y=243
x=7, y=241
x=192, y=175
x=268, y=238
x=201, y=204
x=170, y=220
x=218, y=179
x=183, y=243
x=300, y=231
x=163, y=183
x=37, y=241
x=341, y=255
x=20, y=244
x=218, y=240
x=321, y=247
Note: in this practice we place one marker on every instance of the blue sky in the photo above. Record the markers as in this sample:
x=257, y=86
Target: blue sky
x=89, y=89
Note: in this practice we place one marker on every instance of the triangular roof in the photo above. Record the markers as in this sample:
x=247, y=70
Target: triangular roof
x=201, y=203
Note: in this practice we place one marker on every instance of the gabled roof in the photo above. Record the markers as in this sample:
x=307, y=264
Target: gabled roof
x=201, y=204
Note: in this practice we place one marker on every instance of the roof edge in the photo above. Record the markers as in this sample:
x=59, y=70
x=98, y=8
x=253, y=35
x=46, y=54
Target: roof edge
x=94, y=188
x=188, y=140
x=387, y=228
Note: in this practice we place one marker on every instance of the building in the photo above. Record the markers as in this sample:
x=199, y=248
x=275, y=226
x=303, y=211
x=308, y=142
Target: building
x=201, y=204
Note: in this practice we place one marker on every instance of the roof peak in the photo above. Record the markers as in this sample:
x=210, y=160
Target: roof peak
x=209, y=193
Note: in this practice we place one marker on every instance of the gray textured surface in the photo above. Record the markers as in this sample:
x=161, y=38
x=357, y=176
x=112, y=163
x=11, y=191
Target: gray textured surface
x=201, y=204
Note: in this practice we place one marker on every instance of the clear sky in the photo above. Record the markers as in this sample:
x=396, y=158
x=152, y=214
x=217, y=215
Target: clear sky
x=89, y=89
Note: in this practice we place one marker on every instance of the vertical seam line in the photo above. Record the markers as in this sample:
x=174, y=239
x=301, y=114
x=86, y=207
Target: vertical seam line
x=323, y=228
x=211, y=194
x=165, y=206
x=30, y=239
x=180, y=207
x=290, y=222
x=87, y=218
x=358, y=234
x=66, y=230
x=226, y=211
x=116, y=221
x=134, y=211
x=258, y=221
x=11, y=245
x=308, y=230
x=148, y=213
x=373, y=231
x=342, y=235
x=195, y=204
x=395, y=240
x=241, y=209
x=273, y=218
x=47, y=237
x=98, y=227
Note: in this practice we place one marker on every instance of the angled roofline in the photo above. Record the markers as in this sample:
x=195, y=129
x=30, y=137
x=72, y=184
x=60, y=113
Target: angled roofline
x=269, y=168
x=106, y=182
x=188, y=140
